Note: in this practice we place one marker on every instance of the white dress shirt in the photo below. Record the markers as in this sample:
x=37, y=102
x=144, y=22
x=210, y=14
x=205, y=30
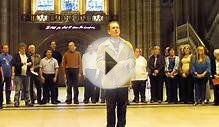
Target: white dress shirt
x=140, y=69
x=23, y=60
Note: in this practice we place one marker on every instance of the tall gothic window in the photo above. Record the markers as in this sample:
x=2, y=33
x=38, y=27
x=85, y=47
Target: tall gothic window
x=70, y=5
x=95, y=5
x=44, y=5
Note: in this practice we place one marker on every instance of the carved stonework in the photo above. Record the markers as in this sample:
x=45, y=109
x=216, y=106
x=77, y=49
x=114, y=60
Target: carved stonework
x=140, y=23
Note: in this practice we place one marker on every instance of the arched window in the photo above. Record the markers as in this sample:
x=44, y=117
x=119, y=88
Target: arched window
x=70, y=5
x=94, y=5
x=44, y=5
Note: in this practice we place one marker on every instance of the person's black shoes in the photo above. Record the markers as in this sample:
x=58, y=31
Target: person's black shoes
x=54, y=102
x=135, y=101
x=28, y=105
x=58, y=101
x=94, y=102
x=151, y=101
x=86, y=101
x=9, y=102
x=144, y=101
x=68, y=102
x=159, y=101
x=16, y=104
x=1, y=106
x=102, y=101
x=76, y=102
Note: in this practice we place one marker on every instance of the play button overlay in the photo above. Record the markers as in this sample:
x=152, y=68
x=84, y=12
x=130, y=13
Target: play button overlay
x=110, y=63
x=113, y=63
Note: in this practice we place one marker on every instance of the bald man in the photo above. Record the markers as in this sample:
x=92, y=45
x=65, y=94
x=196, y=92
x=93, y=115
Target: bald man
x=72, y=65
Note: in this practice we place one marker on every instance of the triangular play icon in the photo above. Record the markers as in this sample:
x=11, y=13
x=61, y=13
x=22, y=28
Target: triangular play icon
x=110, y=63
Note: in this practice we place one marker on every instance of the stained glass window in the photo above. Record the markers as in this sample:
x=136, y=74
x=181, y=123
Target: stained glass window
x=95, y=5
x=44, y=5
x=70, y=5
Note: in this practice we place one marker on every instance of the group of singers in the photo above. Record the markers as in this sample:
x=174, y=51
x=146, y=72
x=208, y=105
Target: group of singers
x=187, y=77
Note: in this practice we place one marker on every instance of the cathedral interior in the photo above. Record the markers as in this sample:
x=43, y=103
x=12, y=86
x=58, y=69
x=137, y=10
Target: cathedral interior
x=145, y=23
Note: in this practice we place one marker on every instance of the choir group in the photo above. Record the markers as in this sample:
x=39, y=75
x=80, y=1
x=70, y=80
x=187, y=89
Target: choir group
x=187, y=77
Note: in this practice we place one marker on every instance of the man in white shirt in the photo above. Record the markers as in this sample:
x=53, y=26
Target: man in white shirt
x=48, y=73
x=140, y=77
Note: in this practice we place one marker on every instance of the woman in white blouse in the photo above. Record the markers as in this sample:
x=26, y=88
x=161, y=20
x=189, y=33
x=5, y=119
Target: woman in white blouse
x=171, y=71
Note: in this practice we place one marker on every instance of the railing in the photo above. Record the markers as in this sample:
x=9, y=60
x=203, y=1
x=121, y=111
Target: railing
x=185, y=34
x=75, y=17
x=213, y=26
x=213, y=13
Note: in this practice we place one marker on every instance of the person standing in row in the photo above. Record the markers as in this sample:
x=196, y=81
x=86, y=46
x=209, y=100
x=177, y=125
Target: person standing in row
x=201, y=68
x=7, y=66
x=156, y=72
x=215, y=75
x=140, y=77
x=186, y=78
x=58, y=56
x=48, y=73
x=171, y=71
x=34, y=77
x=1, y=83
x=166, y=54
x=181, y=93
x=90, y=69
x=21, y=65
x=72, y=65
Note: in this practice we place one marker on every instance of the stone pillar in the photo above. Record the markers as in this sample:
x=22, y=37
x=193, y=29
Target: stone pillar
x=156, y=20
x=15, y=12
x=4, y=22
x=113, y=9
x=139, y=23
x=115, y=5
x=132, y=22
x=124, y=17
x=26, y=10
x=147, y=27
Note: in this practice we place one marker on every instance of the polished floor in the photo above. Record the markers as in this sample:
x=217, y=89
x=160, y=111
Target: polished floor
x=137, y=116
x=141, y=115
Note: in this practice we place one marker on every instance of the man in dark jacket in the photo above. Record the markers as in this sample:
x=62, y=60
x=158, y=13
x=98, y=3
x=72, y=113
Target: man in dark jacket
x=21, y=64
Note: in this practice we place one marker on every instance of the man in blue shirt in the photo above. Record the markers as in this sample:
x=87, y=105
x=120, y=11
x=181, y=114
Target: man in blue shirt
x=6, y=67
x=1, y=82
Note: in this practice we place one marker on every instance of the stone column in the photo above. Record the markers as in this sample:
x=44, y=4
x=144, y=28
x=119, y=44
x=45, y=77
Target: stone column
x=115, y=5
x=4, y=21
x=139, y=23
x=15, y=12
x=113, y=9
x=26, y=10
x=147, y=27
x=156, y=20
x=124, y=17
x=132, y=22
